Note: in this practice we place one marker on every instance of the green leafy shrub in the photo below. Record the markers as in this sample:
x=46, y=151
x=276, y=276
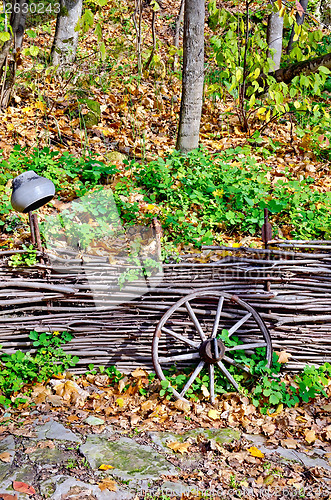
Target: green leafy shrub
x=24, y=259
x=199, y=196
x=64, y=169
x=266, y=387
x=22, y=368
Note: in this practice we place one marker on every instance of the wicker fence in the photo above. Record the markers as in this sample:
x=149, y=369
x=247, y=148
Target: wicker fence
x=115, y=327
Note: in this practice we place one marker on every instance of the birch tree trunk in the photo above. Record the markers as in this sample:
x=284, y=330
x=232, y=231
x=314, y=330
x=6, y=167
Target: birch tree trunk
x=66, y=38
x=193, y=76
x=275, y=38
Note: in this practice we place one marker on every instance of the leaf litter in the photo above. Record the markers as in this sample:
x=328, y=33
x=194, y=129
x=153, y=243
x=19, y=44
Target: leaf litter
x=302, y=429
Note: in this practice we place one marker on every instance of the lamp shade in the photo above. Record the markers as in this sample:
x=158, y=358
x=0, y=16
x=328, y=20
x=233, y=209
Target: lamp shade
x=31, y=191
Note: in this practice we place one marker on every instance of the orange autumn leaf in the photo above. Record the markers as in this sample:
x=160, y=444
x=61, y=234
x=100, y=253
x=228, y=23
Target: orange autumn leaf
x=107, y=484
x=23, y=488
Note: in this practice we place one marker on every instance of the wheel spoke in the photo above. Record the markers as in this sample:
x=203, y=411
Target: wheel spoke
x=218, y=315
x=195, y=320
x=235, y=327
x=234, y=363
x=244, y=347
x=228, y=375
x=181, y=337
x=212, y=383
x=180, y=357
x=192, y=377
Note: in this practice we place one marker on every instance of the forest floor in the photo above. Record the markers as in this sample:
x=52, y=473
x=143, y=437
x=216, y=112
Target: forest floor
x=82, y=439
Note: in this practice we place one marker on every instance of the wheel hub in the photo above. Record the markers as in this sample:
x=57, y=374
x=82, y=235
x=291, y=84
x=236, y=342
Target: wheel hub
x=212, y=350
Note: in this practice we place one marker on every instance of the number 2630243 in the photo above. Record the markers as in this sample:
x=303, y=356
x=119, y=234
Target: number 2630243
x=33, y=7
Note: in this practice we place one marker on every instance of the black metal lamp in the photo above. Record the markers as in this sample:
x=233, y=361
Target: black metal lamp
x=30, y=192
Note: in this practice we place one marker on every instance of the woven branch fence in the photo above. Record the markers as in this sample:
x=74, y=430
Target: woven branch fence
x=115, y=327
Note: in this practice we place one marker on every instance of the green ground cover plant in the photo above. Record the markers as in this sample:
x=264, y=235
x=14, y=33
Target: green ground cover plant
x=21, y=368
x=200, y=196
x=266, y=387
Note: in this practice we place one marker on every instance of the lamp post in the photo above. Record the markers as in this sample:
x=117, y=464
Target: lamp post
x=30, y=192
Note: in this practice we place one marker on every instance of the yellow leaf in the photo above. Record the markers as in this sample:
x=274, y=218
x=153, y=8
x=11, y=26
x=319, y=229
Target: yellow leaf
x=255, y=452
x=310, y=436
x=40, y=105
x=107, y=484
x=180, y=447
x=5, y=456
x=213, y=414
x=277, y=412
x=120, y=402
x=105, y=467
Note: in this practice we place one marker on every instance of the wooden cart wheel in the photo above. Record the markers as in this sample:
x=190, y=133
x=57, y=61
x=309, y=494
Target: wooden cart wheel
x=188, y=333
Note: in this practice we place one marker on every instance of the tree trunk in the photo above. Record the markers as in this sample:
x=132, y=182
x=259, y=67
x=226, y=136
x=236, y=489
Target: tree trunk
x=299, y=20
x=275, y=38
x=66, y=38
x=179, y=21
x=8, y=64
x=193, y=76
x=304, y=67
x=324, y=12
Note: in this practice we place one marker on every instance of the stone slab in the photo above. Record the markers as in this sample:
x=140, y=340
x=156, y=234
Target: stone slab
x=55, y=430
x=68, y=488
x=131, y=461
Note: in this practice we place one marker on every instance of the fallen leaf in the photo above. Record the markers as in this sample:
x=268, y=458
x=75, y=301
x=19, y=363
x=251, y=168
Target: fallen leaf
x=30, y=449
x=182, y=405
x=205, y=391
x=310, y=436
x=255, y=452
x=327, y=407
x=5, y=456
x=283, y=356
x=148, y=405
x=107, y=484
x=213, y=414
x=23, y=488
x=5, y=496
x=269, y=429
x=120, y=402
x=289, y=443
x=278, y=410
x=72, y=418
x=180, y=447
x=328, y=432
x=91, y=420
x=122, y=383
x=55, y=400
x=138, y=372
x=105, y=467
x=134, y=419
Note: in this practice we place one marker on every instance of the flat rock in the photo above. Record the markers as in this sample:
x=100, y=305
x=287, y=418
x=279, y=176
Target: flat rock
x=55, y=430
x=221, y=436
x=289, y=455
x=24, y=473
x=131, y=461
x=68, y=488
x=50, y=456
